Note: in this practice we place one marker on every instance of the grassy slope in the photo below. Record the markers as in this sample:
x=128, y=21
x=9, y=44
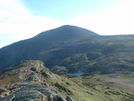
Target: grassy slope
x=113, y=87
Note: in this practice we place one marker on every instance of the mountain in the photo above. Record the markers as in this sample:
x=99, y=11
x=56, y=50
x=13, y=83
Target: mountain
x=41, y=46
x=31, y=81
x=105, y=62
x=76, y=49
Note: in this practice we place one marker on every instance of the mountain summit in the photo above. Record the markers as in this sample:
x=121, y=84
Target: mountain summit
x=67, y=31
x=45, y=42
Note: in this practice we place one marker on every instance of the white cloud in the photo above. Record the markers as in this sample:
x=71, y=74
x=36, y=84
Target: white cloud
x=118, y=20
x=17, y=21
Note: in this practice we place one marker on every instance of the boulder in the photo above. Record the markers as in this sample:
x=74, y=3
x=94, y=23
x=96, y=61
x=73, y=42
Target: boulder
x=55, y=98
x=33, y=69
x=2, y=90
x=69, y=98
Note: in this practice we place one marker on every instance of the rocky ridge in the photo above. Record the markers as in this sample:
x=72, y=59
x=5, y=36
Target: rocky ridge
x=27, y=82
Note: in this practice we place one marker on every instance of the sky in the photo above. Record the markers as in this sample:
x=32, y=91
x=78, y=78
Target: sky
x=23, y=19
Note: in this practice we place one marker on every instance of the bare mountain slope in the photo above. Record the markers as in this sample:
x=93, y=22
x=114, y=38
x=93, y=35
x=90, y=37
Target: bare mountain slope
x=31, y=49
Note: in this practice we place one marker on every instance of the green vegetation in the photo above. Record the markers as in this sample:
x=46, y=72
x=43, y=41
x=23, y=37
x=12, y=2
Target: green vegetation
x=63, y=88
x=95, y=87
x=112, y=93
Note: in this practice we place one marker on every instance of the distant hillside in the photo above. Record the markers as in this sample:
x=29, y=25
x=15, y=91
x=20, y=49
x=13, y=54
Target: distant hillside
x=77, y=49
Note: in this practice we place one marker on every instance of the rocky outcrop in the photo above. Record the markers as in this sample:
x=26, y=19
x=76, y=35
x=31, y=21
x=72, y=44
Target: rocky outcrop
x=56, y=98
x=30, y=83
x=1, y=90
x=69, y=98
x=30, y=92
x=48, y=75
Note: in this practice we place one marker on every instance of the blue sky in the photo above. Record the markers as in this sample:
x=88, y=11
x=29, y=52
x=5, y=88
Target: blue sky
x=22, y=19
x=66, y=9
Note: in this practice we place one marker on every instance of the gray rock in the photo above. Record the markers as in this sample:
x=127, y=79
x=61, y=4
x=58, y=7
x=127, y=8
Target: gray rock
x=8, y=98
x=33, y=69
x=2, y=90
x=30, y=91
x=69, y=98
x=55, y=98
x=30, y=78
x=48, y=75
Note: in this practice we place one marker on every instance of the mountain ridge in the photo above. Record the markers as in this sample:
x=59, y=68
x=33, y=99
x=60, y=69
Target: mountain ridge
x=78, y=49
x=40, y=43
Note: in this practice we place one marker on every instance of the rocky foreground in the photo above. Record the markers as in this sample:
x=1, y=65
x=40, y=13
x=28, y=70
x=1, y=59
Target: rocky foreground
x=26, y=82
